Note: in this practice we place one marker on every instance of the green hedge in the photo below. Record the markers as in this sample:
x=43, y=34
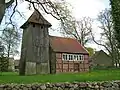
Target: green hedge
x=104, y=67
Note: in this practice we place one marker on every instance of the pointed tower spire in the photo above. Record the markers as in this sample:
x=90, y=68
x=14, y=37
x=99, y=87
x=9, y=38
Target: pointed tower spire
x=36, y=18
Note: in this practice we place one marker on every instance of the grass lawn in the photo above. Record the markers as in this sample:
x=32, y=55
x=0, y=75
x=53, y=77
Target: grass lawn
x=97, y=75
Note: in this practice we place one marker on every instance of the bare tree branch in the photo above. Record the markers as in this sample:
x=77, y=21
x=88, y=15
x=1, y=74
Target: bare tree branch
x=14, y=9
x=9, y=3
x=93, y=38
x=44, y=5
x=110, y=44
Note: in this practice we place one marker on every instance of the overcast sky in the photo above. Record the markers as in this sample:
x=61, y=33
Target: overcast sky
x=88, y=7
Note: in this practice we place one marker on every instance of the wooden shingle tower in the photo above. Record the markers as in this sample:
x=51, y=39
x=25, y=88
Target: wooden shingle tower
x=35, y=46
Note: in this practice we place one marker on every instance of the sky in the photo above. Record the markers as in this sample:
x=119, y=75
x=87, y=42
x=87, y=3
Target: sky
x=90, y=8
x=81, y=8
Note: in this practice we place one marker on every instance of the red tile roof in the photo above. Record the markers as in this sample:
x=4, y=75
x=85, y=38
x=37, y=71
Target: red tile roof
x=68, y=45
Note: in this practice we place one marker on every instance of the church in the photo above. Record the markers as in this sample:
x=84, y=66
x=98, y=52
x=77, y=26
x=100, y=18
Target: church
x=45, y=54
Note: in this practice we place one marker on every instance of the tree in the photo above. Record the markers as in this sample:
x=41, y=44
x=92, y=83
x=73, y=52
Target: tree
x=1, y=48
x=53, y=7
x=80, y=30
x=108, y=40
x=3, y=60
x=10, y=39
x=84, y=29
x=90, y=50
x=4, y=63
x=115, y=6
x=3, y=6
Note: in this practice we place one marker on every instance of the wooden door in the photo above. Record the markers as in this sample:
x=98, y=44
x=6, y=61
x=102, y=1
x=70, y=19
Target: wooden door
x=76, y=67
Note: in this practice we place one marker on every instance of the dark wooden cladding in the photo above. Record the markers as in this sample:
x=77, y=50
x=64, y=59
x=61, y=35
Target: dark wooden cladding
x=52, y=61
x=35, y=45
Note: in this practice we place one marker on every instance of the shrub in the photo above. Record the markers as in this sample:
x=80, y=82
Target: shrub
x=103, y=67
x=4, y=62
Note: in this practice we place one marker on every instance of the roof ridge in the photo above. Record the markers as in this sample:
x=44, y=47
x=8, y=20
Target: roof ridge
x=63, y=37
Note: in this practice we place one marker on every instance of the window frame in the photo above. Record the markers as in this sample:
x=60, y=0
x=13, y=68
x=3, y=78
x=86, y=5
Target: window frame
x=72, y=57
x=64, y=57
x=81, y=57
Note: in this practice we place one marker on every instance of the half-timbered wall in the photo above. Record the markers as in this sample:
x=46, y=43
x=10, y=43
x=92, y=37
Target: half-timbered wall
x=71, y=65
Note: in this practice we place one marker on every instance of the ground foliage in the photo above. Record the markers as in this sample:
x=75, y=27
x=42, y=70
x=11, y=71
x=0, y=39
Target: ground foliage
x=96, y=75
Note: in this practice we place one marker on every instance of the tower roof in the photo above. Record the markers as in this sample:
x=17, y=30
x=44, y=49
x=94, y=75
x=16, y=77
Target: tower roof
x=36, y=18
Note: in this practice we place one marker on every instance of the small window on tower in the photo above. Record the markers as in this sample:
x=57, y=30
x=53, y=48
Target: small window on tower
x=41, y=27
x=33, y=25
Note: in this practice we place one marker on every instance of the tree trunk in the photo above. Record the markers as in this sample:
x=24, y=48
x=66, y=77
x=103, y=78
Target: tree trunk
x=2, y=9
x=8, y=52
x=3, y=6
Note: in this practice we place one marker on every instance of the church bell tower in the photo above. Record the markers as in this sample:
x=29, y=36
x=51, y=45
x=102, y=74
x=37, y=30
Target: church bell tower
x=35, y=45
